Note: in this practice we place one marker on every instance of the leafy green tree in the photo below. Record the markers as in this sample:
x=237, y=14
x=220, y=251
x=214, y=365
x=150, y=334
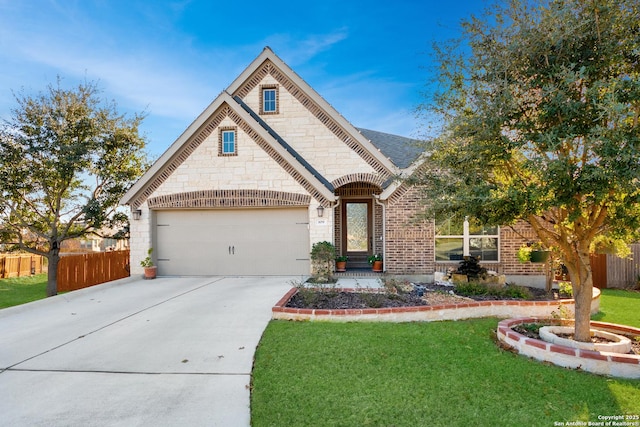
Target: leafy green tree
x=66, y=158
x=540, y=102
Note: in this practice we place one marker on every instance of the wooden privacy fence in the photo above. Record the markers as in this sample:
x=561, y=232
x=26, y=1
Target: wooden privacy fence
x=82, y=271
x=21, y=265
x=624, y=272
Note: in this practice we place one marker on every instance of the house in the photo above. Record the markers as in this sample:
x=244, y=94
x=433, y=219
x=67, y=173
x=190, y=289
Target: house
x=94, y=243
x=269, y=168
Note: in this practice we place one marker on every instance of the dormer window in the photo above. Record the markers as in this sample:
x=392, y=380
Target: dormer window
x=269, y=99
x=227, y=142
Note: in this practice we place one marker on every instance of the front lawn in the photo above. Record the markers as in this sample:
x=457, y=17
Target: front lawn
x=20, y=290
x=618, y=306
x=414, y=374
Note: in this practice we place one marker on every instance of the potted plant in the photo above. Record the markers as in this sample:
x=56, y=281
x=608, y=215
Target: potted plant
x=532, y=252
x=150, y=270
x=341, y=262
x=376, y=262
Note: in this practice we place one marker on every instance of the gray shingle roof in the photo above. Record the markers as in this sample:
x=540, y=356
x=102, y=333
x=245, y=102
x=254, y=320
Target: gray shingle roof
x=400, y=150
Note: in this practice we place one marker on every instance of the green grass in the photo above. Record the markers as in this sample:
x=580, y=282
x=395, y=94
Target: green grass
x=415, y=374
x=20, y=290
x=618, y=306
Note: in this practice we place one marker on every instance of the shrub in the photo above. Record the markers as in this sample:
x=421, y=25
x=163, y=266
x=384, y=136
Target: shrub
x=565, y=289
x=471, y=288
x=514, y=291
x=323, y=255
x=478, y=289
x=470, y=267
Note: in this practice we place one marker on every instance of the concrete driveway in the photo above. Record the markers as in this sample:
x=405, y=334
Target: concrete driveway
x=165, y=352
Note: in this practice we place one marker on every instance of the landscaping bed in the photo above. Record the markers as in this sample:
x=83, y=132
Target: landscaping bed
x=411, y=295
x=530, y=330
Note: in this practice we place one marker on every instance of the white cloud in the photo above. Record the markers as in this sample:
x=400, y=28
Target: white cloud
x=295, y=51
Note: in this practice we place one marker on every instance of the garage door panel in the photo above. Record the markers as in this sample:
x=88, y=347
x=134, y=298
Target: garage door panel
x=233, y=242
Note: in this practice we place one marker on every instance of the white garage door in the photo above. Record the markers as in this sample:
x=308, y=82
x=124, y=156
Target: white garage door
x=235, y=242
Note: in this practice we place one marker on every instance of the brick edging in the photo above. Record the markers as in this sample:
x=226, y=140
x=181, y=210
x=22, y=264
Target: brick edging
x=598, y=362
x=459, y=311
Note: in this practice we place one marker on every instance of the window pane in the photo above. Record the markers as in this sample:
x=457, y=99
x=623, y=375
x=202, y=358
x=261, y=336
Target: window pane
x=448, y=249
x=484, y=247
x=269, y=100
x=357, y=227
x=476, y=229
x=448, y=227
x=228, y=142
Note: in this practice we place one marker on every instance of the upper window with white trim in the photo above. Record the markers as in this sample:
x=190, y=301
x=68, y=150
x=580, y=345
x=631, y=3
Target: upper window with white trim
x=227, y=144
x=269, y=99
x=454, y=240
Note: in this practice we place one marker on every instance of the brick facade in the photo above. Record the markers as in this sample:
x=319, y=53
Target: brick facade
x=410, y=242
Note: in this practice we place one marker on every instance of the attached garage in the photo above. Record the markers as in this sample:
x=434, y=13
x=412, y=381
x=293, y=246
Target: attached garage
x=238, y=242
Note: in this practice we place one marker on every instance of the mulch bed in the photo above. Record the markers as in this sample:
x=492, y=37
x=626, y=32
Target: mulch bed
x=330, y=299
x=333, y=300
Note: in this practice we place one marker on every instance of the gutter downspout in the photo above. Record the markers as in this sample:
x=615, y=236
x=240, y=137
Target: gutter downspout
x=333, y=207
x=384, y=230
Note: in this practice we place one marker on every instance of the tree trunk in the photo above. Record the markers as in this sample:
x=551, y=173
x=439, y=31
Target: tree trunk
x=582, y=283
x=52, y=272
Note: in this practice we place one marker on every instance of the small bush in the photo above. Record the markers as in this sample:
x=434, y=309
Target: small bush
x=323, y=255
x=471, y=288
x=470, y=267
x=532, y=327
x=373, y=300
x=479, y=289
x=514, y=291
x=565, y=289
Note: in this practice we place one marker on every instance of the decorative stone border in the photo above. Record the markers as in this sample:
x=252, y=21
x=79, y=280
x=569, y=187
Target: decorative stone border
x=597, y=362
x=428, y=313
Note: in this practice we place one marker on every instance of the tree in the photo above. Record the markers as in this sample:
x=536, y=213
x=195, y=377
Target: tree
x=540, y=102
x=66, y=158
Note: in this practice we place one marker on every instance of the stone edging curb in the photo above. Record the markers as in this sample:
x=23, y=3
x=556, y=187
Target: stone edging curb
x=425, y=313
x=597, y=362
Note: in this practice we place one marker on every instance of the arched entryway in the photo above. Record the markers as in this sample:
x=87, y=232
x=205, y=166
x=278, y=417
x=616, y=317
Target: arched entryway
x=359, y=224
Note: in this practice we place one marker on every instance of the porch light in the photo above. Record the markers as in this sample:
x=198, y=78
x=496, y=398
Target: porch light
x=320, y=210
x=137, y=214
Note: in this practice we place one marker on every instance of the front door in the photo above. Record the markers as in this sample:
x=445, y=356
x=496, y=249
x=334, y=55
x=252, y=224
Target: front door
x=357, y=232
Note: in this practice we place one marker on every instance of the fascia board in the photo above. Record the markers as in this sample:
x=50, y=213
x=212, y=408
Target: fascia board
x=404, y=173
x=172, y=150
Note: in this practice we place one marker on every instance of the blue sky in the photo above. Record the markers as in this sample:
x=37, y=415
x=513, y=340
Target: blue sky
x=172, y=58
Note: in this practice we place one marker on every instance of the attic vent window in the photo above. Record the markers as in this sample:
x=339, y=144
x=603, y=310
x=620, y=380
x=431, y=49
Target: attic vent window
x=269, y=99
x=227, y=142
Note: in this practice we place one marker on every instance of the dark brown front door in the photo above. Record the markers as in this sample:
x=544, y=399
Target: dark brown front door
x=357, y=226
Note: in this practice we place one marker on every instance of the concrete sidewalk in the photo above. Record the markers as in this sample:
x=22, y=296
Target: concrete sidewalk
x=167, y=352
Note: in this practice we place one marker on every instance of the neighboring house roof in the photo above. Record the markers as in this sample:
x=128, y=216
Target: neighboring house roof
x=400, y=150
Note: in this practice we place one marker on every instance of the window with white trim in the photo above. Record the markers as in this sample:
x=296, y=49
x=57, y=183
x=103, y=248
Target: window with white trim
x=454, y=240
x=269, y=99
x=227, y=144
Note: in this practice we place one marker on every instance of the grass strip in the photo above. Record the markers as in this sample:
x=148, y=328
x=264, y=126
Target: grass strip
x=619, y=306
x=20, y=290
